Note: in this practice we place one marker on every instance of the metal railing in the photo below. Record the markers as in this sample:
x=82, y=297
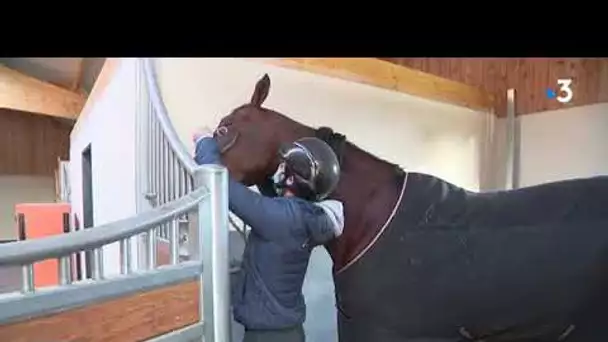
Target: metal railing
x=168, y=164
x=209, y=204
x=168, y=169
x=169, y=172
x=179, y=193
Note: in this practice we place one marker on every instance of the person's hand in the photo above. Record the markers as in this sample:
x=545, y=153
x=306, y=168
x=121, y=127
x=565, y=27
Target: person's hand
x=202, y=132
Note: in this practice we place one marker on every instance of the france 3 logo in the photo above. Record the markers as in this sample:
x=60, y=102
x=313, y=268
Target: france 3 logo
x=564, y=94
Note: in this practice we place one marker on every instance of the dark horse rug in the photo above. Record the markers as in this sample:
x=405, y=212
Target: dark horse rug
x=523, y=265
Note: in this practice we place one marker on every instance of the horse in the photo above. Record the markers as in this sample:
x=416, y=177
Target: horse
x=421, y=259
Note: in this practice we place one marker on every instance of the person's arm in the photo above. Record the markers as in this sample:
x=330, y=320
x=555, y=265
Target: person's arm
x=330, y=224
x=271, y=218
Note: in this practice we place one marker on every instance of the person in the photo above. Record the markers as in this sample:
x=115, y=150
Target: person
x=267, y=299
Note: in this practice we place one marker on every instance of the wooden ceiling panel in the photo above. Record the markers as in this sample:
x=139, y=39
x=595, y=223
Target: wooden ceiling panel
x=25, y=93
x=530, y=77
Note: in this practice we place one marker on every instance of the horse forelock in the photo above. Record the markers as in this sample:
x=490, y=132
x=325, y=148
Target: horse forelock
x=339, y=143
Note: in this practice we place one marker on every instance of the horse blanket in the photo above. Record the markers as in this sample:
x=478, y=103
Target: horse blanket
x=524, y=265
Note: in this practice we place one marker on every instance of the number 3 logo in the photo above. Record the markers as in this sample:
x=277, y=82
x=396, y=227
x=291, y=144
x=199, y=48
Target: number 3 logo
x=565, y=92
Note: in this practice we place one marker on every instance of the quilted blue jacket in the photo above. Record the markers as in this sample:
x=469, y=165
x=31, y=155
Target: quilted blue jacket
x=284, y=230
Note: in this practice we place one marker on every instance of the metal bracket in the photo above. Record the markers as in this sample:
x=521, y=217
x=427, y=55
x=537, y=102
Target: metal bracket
x=152, y=197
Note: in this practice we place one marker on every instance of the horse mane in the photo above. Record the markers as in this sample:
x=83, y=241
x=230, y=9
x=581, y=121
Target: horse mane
x=338, y=143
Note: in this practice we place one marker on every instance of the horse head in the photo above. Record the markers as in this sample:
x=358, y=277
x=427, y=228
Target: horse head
x=250, y=136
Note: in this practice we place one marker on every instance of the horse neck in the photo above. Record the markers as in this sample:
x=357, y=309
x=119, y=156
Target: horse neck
x=358, y=165
x=368, y=188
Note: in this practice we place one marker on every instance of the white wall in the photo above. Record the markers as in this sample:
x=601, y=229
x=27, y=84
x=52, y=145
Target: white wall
x=456, y=155
x=418, y=134
x=110, y=129
x=392, y=125
x=21, y=189
x=563, y=144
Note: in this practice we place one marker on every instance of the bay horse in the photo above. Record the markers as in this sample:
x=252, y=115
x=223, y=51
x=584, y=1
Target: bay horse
x=422, y=259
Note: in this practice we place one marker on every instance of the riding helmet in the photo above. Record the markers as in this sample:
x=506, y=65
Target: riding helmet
x=310, y=168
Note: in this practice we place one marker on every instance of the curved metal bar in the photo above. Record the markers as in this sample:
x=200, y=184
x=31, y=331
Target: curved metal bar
x=162, y=115
x=29, y=251
x=163, y=118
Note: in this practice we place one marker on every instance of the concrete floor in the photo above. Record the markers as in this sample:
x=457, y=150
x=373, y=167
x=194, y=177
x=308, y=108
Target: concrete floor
x=321, y=324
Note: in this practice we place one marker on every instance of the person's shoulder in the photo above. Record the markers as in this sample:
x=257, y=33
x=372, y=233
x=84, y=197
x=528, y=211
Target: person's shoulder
x=305, y=205
x=303, y=210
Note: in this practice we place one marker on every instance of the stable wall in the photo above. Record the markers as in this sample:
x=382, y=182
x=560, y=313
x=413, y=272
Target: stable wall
x=553, y=145
x=21, y=189
x=418, y=134
x=109, y=127
x=564, y=144
x=400, y=128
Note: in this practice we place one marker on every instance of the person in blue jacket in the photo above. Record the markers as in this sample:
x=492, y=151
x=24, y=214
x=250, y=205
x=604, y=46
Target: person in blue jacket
x=267, y=300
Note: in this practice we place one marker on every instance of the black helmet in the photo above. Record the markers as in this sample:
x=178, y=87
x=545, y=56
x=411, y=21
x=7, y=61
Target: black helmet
x=312, y=166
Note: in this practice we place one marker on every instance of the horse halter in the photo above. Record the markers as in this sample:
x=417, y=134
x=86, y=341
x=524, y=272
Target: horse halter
x=223, y=131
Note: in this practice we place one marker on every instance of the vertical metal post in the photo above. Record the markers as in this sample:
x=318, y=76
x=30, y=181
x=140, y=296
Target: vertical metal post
x=98, y=263
x=134, y=245
x=165, y=153
x=65, y=270
x=27, y=271
x=27, y=285
x=183, y=225
x=213, y=248
x=126, y=256
x=174, y=242
x=512, y=144
x=151, y=248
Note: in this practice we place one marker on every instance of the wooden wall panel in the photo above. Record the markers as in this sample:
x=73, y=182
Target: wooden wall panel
x=132, y=318
x=383, y=74
x=529, y=76
x=30, y=144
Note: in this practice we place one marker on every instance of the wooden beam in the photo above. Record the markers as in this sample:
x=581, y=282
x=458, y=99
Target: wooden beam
x=28, y=94
x=78, y=77
x=138, y=317
x=386, y=75
x=603, y=87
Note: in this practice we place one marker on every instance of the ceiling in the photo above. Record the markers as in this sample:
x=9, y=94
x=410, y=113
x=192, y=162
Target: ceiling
x=76, y=74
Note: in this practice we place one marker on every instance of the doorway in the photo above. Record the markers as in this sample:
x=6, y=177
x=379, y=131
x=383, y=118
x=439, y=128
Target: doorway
x=87, y=202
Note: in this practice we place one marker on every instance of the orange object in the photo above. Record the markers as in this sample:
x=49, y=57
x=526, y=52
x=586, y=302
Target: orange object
x=38, y=220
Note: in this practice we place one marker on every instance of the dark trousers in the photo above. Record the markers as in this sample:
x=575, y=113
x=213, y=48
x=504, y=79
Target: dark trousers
x=295, y=334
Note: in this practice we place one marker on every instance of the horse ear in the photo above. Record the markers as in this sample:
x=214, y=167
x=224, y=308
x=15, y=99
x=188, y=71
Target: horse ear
x=261, y=91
